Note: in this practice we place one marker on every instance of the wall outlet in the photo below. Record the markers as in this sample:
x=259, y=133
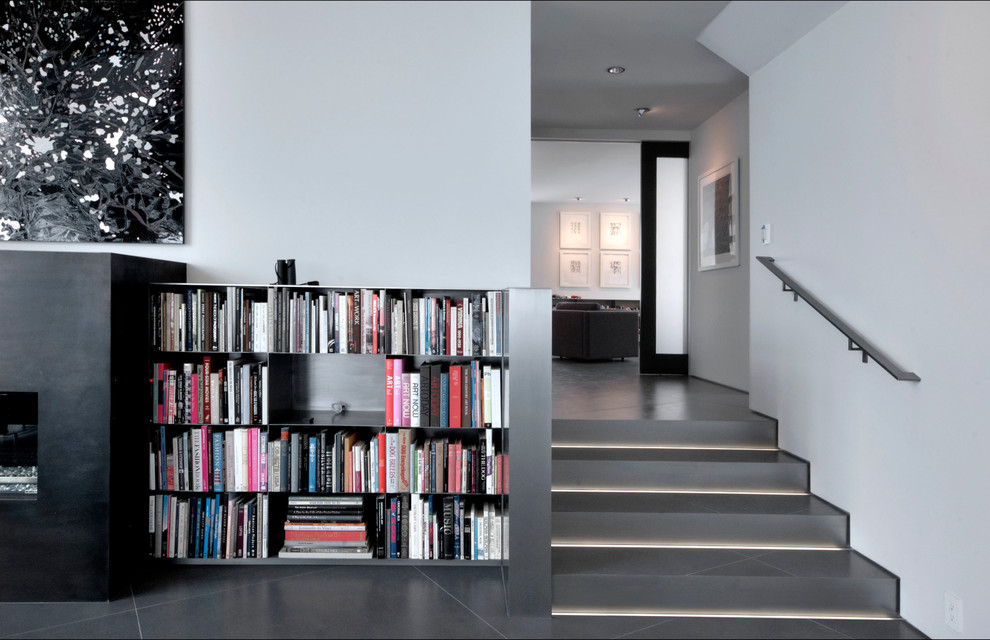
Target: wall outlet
x=953, y=611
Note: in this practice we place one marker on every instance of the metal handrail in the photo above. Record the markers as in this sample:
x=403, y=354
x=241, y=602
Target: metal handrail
x=856, y=341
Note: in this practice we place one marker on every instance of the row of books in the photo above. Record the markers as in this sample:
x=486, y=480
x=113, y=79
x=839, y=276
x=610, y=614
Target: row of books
x=349, y=461
x=326, y=526
x=203, y=393
x=443, y=395
x=201, y=459
x=440, y=527
x=221, y=526
x=237, y=319
x=447, y=325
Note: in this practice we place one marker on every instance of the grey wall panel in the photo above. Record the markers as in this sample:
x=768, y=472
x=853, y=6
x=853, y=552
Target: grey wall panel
x=528, y=406
x=55, y=339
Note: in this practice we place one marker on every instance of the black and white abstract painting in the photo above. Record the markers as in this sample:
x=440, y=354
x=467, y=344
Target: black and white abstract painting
x=718, y=218
x=91, y=121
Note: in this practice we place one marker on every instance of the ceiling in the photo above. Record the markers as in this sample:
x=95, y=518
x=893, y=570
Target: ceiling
x=680, y=80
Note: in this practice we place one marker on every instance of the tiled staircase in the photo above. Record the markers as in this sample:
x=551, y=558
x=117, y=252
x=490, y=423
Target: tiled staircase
x=700, y=518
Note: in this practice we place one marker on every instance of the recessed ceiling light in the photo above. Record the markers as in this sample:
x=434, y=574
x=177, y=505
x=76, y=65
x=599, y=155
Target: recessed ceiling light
x=578, y=198
x=616, y=70
x=626, y=199
x=641, y=110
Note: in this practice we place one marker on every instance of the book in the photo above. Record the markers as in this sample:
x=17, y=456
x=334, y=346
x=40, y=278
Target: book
x=334, y=553
x=425, y=385
x=487, y=396
x=455, y=396
x=406, y=400
x=389, y=392
x=294, y=535
x=467, y=388
x=397, y=371
x=312, y=465
x=404, y=471
x=414, y=398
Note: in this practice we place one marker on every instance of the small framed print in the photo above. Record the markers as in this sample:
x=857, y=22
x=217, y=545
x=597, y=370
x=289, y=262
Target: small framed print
x=575, y=230
x=615, y=269
x=615, y=230
x=574, y=266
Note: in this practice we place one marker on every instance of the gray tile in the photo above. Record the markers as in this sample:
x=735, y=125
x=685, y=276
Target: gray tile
x=873, y=628
x=745, y=568
x=168, y=582
x=119, y=625
x=481, y=589
x=636, y=561
x=21, y=617
x=736, y=628
x=361, y=601
x=826, y=564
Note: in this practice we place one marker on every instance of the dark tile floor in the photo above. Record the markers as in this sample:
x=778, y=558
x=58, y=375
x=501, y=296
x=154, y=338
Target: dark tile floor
x=183, y=601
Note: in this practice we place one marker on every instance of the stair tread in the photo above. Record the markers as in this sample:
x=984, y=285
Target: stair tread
x=675, y=455
x=635, y=503
x=712, y=563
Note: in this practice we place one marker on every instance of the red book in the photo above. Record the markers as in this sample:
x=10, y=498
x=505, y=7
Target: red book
x=207, y=409
x=325, y=536
x=389, y=392
x=454, y=397
x=397, y=370
x=458, y=461
x=160, y=385
x=253, y=461
x=194, y=415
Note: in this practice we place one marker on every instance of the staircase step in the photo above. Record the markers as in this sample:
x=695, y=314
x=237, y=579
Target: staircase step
x=751, y=521
x=672, y=433
x=675, y=582
x=678, y=470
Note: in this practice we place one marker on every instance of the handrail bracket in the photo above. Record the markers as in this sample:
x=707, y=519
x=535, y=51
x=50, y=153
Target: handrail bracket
x=855, y=347
x=787, y=289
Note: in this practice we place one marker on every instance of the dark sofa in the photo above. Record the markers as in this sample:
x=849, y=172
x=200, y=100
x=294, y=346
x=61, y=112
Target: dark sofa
x=585, y=331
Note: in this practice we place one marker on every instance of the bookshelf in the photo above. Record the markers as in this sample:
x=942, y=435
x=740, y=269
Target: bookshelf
x=307, y=424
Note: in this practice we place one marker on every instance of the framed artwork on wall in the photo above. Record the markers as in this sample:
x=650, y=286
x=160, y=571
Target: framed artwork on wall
x=718, y=218
x=616, y=231
x=614, y=269
x=96, y=92
x=574, y=266
x=575, y=230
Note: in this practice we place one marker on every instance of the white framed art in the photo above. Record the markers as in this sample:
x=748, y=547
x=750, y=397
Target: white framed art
x=575, y=230
x=574, y=267
x=615, y=230
x=614, y=269
x=718, y=218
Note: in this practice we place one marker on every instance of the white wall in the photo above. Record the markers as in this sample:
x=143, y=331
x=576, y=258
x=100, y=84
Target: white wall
x=546, y=249
x=718, y=304
x=375, y=143
x=869, y=154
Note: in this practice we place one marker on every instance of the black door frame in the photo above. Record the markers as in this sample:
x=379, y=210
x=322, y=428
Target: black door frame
x=649, y=360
